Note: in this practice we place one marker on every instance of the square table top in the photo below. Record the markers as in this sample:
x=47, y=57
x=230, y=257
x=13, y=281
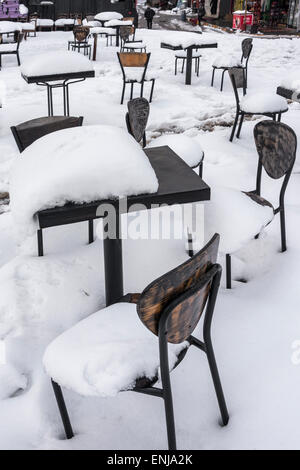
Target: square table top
x=178, y=184
x=289, y=94
x=60, y=76
x=179, y=47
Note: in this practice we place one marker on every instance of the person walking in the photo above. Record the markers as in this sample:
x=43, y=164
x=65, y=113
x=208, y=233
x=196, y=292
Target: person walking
x=149, y=14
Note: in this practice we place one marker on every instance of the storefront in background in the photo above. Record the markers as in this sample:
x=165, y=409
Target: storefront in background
x=270, y=13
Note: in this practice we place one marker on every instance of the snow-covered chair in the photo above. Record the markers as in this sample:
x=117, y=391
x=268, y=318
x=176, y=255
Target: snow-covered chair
x=182, y=55
x=137, y=118
x=134, y=343
x=12, y=48
x=63, y=22
x=225, y=63
x=45, y=24
x=187, y=148
x=125, y=33
x=134, y=66
x=261, y=103
x=28, y=132
x=28, y=29
x=81, y=34
x=241, y=216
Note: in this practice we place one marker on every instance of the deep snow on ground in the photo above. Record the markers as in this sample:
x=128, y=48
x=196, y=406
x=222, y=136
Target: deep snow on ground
x=255, y=323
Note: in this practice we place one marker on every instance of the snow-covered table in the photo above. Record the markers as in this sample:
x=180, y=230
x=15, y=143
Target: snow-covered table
x=188, y=42
x=61, y=68
x=178, y=184
x=9, y=27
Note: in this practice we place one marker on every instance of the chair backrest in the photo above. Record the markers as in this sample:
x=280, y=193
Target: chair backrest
x=247, y=45
x=80, y=33
x=28, y=132
x=137, y=118
x=189, y=283
x=134, y=59
x=125, y=32
x=90, y=18
x=129, y=18
x=18, y=38
x=276, y=144
x=238, y=80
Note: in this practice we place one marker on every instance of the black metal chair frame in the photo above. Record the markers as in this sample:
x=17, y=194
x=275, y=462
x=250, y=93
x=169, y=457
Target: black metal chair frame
x=241, y=114
x=165, y=392
x=279, y=210
x=19, y=36
x=196, y=59
x=132, y=82
x=244, y=66
x=75, y=44
x=65, y=86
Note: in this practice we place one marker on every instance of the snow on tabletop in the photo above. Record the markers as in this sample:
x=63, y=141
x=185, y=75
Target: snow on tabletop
x=28, y=26
x=10, y=26
x=108, y=15
x=82, y=164
x=184, y=39
x=106, y=352
x=235, y=216
x=45, y=22
x=91, y=24
x=23, y=9
x=118, y=23
x=291, y=82
x=263, y=102
x=101, y=30
x=54, y=63
x=185, y=147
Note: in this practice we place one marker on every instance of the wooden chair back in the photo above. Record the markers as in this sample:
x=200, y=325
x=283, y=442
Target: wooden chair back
x=81, y=33
x=186, y=289
x=133, y=59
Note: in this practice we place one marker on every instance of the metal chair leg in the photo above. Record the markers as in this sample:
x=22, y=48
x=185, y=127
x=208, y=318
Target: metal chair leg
x=213, y=77
x=176, y=66
x=63, y=410
x=283, y=231
x=228, y=271
x=91, y=231
x=222, y=80
x=131, y=91
x=123, y=92
x=234, y=127
x=183, y=62
x=152, y=89
x=40, y=242
x=240, y=125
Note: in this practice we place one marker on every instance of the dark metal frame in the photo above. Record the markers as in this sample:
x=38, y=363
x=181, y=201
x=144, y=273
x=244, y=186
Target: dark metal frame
x=19, y=37
x=225, y=69
x=241, y=114
x=213, y=276
x=189, y=58
x=197, y=63
x=132, y=82
x=66, y=80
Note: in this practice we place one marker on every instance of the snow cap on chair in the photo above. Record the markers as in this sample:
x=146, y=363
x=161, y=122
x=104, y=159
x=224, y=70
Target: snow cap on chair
x=186, y=148
x=81, y=164
x=262, y=102
x=236, y=217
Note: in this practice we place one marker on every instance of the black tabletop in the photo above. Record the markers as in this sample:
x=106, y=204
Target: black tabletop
x=61, y=76
x=178, y=184
x=211, y=45
x=288, y=94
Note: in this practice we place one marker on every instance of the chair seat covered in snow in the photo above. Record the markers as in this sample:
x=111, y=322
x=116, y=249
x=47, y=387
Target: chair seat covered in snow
x=185, y=147
x=91, y=24
x=264, y=103
x=132, y=343
x=44, y=23
x=136, y=46
x=241, y=216
x=138, y=63
x=227, y=62
x=12, y=48
x=8, y=47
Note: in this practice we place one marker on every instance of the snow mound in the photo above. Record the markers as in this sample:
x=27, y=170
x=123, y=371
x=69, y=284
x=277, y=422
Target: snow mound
x=79, y=165
x=236, y=217
x=185, y=147
x=10, y=26
x=106, y=353
x=10, y=381
x=183, y=39
x=54, y=63
x=108, y=15
x=226, y=62
x=262, y=102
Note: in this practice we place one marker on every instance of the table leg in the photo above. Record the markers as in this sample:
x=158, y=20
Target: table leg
x=95, y=46
x=118, y=36
x=113, y=265
x=188, y=71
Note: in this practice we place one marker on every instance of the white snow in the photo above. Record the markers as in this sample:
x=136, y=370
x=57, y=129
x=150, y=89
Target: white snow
x=42, y=297
x=91, y=24
x=45, y=22
x=8, y=47
x=236, y=217
x=106, y=353
x=108, y=15
x=23, y=9
x=291, y=82
x=263, y=102
x=227, y=62
x=54, y=63
x=118, y=23
x=186, y=148
x=136, y=73
x=184, y=40
x=11, y=381
x=10, y=26
x=81, y=164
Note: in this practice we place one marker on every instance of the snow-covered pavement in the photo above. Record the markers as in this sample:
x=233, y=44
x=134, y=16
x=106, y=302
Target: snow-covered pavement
x=256, y=323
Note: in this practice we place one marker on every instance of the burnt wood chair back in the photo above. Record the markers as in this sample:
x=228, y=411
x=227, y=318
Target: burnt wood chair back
x=247, y=45
x=81, y=33
x=276, y=144
x=125, y=32
x=238, y=80
x=183, y=292
x=28, y=132
x=137, y=118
